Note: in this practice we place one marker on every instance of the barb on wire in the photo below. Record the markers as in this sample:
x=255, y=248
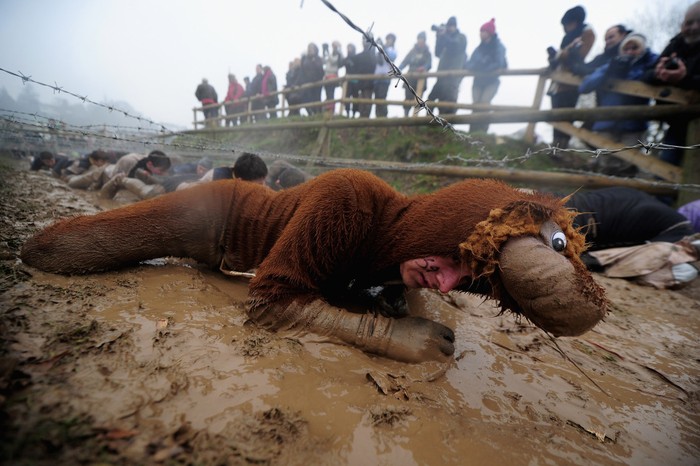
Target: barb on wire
x=56, y=88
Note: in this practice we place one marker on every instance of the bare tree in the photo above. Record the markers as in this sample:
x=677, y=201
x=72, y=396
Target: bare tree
x=659, y=21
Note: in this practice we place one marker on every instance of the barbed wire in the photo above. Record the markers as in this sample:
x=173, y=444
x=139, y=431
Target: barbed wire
x=396, y=72
x=84, y=98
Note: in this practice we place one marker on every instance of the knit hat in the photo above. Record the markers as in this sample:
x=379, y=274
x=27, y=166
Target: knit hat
x=452, y=21
x=489, y=26
x=575, y=15
x=634, y=37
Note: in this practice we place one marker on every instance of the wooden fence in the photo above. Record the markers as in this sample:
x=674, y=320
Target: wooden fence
x=681, y=104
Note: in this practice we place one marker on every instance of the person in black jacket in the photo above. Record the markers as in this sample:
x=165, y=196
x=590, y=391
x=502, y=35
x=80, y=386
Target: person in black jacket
x=364, y=63
x=451, y=49
x=679, y=65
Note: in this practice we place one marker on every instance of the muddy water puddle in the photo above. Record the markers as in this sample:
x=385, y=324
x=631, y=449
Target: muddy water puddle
x=510, y=396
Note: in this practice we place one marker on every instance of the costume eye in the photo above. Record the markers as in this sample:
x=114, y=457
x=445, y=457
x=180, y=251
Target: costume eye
x=558, y=241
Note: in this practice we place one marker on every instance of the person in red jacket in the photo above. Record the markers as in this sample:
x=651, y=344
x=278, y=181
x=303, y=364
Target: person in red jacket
x=232, y=100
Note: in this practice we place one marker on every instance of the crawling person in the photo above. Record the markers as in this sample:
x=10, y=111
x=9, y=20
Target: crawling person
x=318, y=247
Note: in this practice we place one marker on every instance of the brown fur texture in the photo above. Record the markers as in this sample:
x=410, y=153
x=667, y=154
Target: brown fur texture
x=310, y=242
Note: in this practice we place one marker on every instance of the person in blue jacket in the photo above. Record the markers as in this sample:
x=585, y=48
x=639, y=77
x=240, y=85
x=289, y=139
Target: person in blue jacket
x=634, y=60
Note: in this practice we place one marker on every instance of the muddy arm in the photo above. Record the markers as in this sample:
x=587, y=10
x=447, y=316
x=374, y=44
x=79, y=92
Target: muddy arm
x=408, y=339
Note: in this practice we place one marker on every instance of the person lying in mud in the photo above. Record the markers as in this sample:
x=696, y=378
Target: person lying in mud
x=631, y=234
x=319, y=247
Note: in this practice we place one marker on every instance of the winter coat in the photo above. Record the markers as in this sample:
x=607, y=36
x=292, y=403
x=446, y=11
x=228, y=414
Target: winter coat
x=690, y=54
x=452, y=50
x=618, y=69
x=488, y=56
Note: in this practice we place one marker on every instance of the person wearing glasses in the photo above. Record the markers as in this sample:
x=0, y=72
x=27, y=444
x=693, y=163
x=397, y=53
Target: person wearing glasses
x=632, y=63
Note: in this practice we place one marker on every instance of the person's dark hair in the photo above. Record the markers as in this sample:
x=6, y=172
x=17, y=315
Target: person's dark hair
x=291, y=177
x=249, y=167
x=622, y=29
x=38, y=162
x=576, y=15
x=156, y=157
x=99, y=155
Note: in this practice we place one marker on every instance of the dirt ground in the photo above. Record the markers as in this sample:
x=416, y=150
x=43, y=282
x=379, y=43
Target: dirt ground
x=156, y=365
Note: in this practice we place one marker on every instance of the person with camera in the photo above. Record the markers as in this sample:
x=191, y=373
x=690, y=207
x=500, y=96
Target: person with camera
x=635, y=58
x=679, y=65
x=577, y=42
x=451, y=49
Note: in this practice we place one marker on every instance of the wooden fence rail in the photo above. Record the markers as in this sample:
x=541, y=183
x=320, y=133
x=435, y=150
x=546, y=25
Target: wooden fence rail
x=681, y=104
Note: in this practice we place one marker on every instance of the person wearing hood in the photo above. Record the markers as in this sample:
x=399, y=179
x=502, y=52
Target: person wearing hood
x=679, y=65
x=577, y=42
x=489, y=56
x=635, y=58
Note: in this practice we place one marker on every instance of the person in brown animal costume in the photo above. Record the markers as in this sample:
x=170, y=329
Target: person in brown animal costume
x=318, y=247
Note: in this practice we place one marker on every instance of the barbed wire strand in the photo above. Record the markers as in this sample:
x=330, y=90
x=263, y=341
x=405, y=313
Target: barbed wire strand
x=84, y=98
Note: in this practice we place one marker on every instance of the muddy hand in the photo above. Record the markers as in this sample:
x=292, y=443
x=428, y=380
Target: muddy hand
x=408, y=339
x=554, y=293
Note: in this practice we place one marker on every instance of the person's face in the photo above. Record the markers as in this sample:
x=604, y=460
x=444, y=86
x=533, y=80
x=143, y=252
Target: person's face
x=435, y=272
x=690, y=29
x=632, y=49
x=49, y=162
x=451, y=29
x=568, y=27
x=201, y=170
x=155, y=170
x=485, y=36
x=613, y=36
x=98, y=162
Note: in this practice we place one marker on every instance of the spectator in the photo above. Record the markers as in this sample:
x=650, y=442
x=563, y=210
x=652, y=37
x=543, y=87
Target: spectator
x=206, y=94
x=250, y=167
x=255, y=90
x=233, y=100
x=613, y=38
x=365, y=63
x=577, y=42
x=293, y=77
x=381, y=86
x=679, y=65
x=311, y=72
x=353, y=85
x=631, y=65
x=451, y=49
x=418, y=60
x=269, y=91
x=489, y=55
x=284, y=175
x=332, y=62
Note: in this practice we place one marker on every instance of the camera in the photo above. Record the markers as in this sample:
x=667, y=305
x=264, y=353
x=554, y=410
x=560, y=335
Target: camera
x=435, y=27
x=551, y=52
x=672, y=64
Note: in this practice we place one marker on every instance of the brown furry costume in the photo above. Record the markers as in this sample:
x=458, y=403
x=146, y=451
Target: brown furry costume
x=347, y=227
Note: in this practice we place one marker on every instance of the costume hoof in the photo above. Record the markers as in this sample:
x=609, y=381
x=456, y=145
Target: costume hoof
x=415, y=339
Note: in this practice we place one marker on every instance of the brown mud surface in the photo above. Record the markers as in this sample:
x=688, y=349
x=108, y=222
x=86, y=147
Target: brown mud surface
x=156, y=365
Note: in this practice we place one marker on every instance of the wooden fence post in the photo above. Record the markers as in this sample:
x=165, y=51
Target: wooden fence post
x=536, y=105
x=691, y=163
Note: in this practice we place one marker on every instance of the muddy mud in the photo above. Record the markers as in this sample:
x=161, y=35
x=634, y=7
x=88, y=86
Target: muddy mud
x=157, y=364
